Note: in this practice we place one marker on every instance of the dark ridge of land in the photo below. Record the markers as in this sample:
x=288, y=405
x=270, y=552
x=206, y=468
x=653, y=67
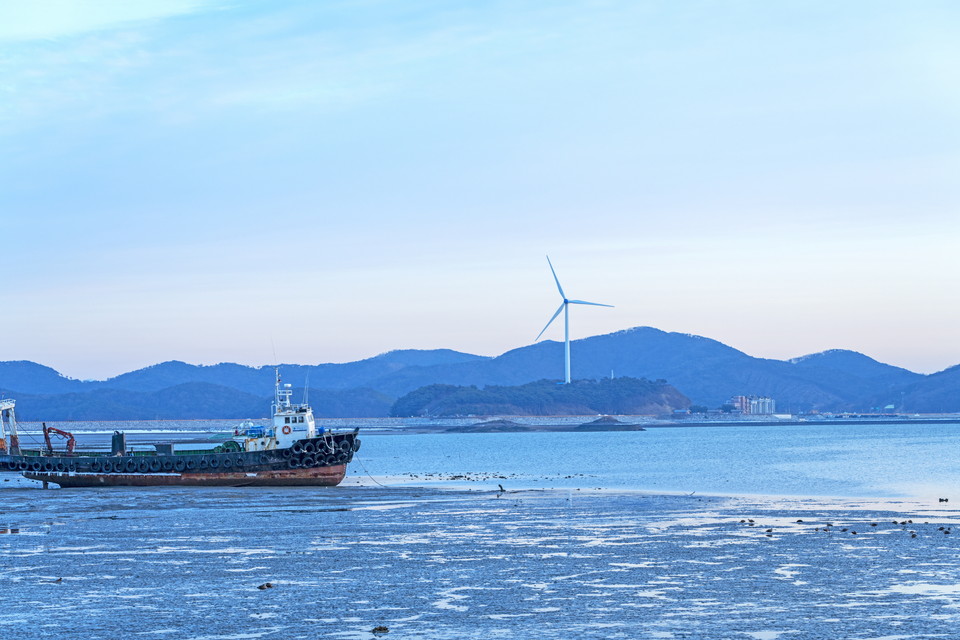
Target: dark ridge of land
x=608, y=423
x=491, y=426
x=501, y=425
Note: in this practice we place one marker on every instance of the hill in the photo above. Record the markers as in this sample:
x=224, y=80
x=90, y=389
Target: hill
x=853, y=375
x=706, y=371
x=544, y=398
x=347, y=375
x=24, y=376
x=189, y=401
x=936, y=393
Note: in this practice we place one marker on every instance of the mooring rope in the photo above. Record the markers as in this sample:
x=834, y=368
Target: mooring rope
x=357, y=458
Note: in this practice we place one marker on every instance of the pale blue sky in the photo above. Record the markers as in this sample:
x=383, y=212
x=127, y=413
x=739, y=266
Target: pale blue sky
x=198, y=180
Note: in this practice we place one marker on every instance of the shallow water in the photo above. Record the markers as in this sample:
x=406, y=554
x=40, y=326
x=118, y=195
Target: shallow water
x=845, y=459
x=893, y=460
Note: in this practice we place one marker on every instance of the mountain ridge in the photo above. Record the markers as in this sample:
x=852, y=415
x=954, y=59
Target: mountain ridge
x=705, y=370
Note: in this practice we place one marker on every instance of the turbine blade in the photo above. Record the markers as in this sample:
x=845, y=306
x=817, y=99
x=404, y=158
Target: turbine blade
x=556, y=279
x=562, y=305
x=595, y=304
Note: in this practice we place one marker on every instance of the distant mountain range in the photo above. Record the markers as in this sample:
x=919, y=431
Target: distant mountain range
x=706, y=371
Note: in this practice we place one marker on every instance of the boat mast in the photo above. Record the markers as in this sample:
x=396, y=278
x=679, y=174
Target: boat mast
x=281, y=395
x=6, y=409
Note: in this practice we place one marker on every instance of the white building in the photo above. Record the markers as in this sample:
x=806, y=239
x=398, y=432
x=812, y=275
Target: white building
x=753, y=405
x=762, y=406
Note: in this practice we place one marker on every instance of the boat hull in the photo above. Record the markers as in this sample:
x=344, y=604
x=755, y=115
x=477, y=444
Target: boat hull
x=316, y=477
x=313, y=462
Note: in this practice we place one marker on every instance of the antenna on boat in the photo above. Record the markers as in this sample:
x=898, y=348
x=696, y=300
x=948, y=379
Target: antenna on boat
x=276, y=389
x=306, y=389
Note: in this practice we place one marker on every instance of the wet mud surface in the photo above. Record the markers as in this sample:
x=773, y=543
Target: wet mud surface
x=430, y=563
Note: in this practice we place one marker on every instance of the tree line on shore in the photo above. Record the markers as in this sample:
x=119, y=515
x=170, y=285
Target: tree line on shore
x=619, y=396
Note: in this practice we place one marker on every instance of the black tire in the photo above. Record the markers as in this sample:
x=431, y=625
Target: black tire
x=143, y=466
x=95, y=466
x=23, y=465
x=71, y=466
x=309, y=448
x=155, y=465
x=239, y=461
x=293, y=463
x=330, y=460
x=227, y=463
x=356, y=445
x=11, y=465
x=166, y=464
x=297, y=447
x=130, y=465
x=345, y=446
x=309, y=462
x=60, y=467
x=214, y=462
x=341, y=458
x=263, y=459
x=191, y=464
x=204, y=462
x=286, y=453
x=47, y=465
x=179, y=465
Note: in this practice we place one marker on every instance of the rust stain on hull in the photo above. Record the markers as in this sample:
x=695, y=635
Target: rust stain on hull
x=314, y=477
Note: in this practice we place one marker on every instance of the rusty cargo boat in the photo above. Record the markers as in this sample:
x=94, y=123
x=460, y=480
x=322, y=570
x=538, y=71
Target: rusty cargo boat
x=292, y=450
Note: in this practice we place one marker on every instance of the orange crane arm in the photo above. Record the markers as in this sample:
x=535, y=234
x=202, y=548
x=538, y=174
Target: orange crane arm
x=71, y=441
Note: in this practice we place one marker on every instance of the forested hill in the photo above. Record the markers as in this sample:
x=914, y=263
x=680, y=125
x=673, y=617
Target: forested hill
x=621, y=396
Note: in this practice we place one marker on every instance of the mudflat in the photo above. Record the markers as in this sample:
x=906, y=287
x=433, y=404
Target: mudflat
x=428, y=562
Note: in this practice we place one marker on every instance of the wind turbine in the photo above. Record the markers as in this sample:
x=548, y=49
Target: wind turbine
x=564, y=306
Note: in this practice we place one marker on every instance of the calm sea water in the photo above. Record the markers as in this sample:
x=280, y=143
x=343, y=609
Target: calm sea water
x=847, y=459
x=433, y=550
x=893, y=460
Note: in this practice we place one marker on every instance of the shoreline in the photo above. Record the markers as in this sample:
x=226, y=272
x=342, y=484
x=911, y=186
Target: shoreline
x=480, y=485
x=505, y=424
x=481, y=488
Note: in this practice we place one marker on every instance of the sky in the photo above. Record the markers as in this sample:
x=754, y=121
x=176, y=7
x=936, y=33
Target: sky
x=307, y=182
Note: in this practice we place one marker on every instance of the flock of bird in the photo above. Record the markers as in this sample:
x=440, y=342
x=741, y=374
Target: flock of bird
x=829, y=527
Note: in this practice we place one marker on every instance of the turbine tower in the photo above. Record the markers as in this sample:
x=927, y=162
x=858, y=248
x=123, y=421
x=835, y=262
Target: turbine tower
x=564, y=306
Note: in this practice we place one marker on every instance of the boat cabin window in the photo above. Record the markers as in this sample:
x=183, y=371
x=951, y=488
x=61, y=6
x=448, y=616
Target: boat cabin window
x=286, y=420
x=301, y=419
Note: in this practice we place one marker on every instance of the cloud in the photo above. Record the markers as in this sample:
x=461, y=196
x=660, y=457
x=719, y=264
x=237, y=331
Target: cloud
x=52, y=19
